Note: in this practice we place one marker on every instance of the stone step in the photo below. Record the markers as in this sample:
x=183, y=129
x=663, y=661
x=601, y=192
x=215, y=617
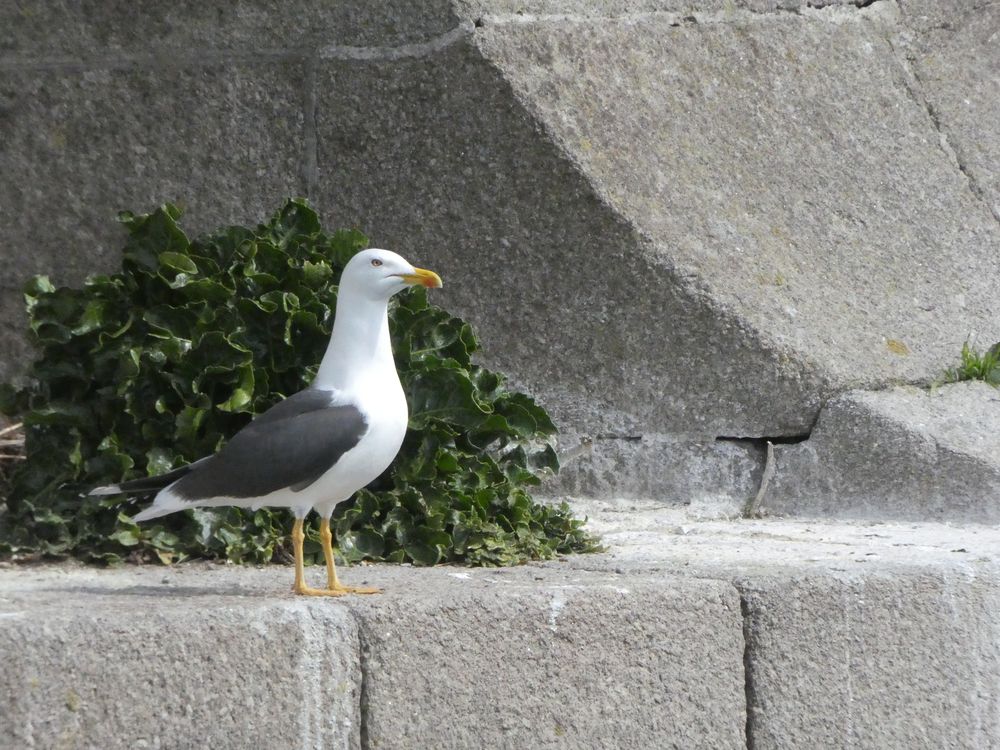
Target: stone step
x=687, y=634
x=904, y=453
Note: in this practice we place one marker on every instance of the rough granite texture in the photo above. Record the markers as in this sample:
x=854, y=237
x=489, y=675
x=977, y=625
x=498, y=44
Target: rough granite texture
x=84, y=145
x=596, y=9
x=875, y=661
x=714, y=478
x=572, y=661
x=861, y=635
x=906, y=454
x=958, y=67
x=619, y=348
x=146, y=665
x=74, y=32
x=784, y=174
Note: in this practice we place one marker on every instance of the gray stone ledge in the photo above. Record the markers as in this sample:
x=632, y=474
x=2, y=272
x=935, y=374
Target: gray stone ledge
x=449, y=658
x=872, y=635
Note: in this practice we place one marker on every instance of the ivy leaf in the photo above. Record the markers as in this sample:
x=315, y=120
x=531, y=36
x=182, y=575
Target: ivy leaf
x=178, y=262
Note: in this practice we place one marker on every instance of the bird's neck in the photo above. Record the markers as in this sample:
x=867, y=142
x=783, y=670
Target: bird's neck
x=359, y=345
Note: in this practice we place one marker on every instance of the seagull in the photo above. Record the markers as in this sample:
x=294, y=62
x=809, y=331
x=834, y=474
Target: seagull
x=315, y=449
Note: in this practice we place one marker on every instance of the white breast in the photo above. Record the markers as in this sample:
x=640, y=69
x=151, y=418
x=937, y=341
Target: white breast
x=384, y=407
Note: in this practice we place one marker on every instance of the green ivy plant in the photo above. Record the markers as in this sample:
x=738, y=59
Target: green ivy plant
x=150, y=368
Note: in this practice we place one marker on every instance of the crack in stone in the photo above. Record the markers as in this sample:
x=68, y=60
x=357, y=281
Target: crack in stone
x=749, y=690
x=363, y=706
x=763, y=442
x=753, y=507
x=634, y=19
x=859, y=4
x=913, y=85
x=974, y=186
x=764, y=447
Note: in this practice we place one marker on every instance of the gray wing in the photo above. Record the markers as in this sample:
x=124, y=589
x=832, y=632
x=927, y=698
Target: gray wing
x=291, y=445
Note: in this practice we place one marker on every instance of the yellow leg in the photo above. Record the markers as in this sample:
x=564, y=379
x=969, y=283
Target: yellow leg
x=298, y=536
x=332, y=584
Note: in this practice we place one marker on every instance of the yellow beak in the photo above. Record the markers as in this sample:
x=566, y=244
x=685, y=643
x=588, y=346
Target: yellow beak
x=423, y=277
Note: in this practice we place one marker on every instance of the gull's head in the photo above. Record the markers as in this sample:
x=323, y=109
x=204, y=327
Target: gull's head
x=379, y=274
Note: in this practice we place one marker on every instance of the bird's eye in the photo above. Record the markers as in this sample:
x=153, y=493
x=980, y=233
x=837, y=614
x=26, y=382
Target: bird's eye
x=376, y=262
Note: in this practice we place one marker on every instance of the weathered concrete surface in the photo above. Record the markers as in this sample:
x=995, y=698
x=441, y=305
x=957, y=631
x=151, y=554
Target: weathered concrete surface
x=956, y=61
x=877, y=661
x=853, y=635
x=710, y=478
x=668, y=218
x=645, y=536
x=449, y=658
x=88, y=35
x=607, y=352
x=546, y=660
x=84, y=144
x=94, y=661
x=784, y=166
x=880, y=635
x=905, y=453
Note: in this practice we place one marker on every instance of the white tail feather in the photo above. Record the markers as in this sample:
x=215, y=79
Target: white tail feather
x=108, y=489
x=165, y=503
x=152, y=512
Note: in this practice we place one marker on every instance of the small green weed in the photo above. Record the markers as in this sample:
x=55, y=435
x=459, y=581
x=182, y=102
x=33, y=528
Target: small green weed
x=976, y=366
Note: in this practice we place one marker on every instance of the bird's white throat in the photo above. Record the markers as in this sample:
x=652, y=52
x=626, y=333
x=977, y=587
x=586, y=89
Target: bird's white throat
x=359, y=346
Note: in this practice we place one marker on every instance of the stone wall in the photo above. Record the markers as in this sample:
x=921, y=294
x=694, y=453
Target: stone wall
x=671, y=221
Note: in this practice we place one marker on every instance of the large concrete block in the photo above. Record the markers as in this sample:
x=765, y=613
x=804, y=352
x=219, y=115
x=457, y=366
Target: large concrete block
x=858, y=634
x=903, y=660
x=786, y=173
x=853, y=635
x=544, y=659
x=738, y=273
x=900, y=454
x=446, y=164
x=91, y=664
x=224, y=656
